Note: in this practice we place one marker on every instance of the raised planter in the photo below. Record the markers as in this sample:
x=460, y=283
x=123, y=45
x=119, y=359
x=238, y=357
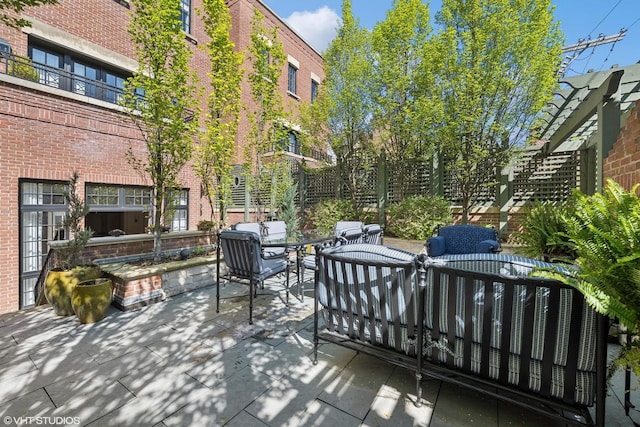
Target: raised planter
x=140, y=285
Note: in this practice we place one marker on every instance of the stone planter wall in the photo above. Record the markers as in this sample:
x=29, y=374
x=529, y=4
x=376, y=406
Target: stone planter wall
x=136, y=286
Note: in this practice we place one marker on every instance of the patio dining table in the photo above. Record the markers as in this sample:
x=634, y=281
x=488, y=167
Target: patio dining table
x=300, y=242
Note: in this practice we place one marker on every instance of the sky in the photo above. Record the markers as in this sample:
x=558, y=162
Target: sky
x=316, y=21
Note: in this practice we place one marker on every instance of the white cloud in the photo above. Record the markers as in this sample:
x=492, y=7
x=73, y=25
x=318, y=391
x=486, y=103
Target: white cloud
x=318, y=28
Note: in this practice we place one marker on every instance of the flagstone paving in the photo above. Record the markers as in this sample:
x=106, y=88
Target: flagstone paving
x=179, y=363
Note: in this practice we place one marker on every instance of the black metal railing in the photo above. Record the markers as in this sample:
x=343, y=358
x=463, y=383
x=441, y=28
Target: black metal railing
x=47, y=265
x=24, y=68
x=297, y=148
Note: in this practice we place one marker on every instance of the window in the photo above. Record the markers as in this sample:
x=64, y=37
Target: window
x=42, y=212
x=314, y=90
x=291, y=86
x=102, y=195
x=114, y=88
x=185, y=15
x=177, y=210
x=49, y=74
x=137, y=196
x=85, y=77
x=289, y=143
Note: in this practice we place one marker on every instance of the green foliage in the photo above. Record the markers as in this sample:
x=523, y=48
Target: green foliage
x=498, y=64
x=69, y=255
x=344, y=106
x=166, y=113
x=214, y=153
x=266, y=132
x=324, y=215
x=17, y=6
x=23, y=68
x=605, y=229
x=544, y=231
x=416, y=217
x=402, y=81
x=209, y=226
x=288, y=210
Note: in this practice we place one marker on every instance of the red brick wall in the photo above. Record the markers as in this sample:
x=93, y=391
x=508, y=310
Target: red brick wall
x=46, y=137
x=623, y=162
x=310, y=60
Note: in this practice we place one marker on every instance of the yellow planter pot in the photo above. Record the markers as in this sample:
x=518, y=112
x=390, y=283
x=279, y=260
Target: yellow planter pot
x=91, y=299
x=60, y=283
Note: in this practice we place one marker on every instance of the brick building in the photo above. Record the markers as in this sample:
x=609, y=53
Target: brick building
x=65, y=118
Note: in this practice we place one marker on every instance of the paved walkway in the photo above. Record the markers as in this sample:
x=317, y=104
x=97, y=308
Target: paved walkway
x=179, y=363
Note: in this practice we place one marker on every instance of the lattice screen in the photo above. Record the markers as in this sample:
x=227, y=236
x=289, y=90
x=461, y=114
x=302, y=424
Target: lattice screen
x=552, y=177
x=535, y=176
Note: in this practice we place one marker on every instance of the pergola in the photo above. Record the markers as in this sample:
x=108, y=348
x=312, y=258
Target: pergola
x=587, y=115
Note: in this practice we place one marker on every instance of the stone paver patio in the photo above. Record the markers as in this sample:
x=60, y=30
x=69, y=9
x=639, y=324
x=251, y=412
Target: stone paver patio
x=179, y=363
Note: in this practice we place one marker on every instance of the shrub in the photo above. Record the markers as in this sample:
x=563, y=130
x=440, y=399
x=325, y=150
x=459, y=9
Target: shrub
x=543, y=231
x=604, y=228
x=323, y=215
x=416, y=217
x=23, y=68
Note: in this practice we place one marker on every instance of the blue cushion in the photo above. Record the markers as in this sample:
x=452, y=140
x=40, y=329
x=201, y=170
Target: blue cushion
x=436, y=246
x=487, y=246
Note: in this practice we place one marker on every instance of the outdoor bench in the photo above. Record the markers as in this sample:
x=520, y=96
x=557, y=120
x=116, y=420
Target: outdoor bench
x=476, y=320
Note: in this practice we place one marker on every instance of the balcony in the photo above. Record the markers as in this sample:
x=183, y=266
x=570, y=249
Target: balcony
x=295, y=150
x=24, y=68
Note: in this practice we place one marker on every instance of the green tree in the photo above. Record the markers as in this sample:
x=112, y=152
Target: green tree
x=499, y=67
x=214, y=153
x=17, y=6
x=404, y=106
x=266, y=178
x=343, y=109
x=161, y=100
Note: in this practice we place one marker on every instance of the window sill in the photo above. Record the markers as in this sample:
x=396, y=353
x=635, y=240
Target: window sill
x=191, y=39
x=124, y=3
x=293, y=95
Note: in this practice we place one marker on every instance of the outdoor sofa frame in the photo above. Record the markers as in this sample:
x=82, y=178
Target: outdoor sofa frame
x=530, y=341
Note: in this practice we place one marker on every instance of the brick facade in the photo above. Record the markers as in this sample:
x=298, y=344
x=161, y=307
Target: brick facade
x=623, y=162
x=46, y=133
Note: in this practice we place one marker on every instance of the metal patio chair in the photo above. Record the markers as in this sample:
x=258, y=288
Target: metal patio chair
x=245, y=260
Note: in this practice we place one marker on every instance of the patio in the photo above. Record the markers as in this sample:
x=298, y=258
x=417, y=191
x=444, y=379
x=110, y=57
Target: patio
x=179, y=362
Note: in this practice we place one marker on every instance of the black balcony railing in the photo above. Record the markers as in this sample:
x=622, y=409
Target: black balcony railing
x=24, y=68
x=297, y=148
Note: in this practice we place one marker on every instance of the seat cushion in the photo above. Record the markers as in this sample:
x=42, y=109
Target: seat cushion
x=436, y=246
x=487, y=246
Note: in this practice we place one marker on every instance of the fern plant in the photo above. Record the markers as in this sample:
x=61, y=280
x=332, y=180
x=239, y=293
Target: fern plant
x=605, y=231
x=543, y=232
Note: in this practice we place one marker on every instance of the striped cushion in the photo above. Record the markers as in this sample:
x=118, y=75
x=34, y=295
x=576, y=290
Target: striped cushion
x=507, y=268
x=368, y=292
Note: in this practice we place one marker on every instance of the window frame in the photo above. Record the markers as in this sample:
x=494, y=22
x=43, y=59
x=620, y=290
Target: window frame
x=292, y=79
x=65, y=77
x=185, y=15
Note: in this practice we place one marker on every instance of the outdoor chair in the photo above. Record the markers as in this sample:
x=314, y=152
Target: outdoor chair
x=249, y=226
x=463, y=239
x=274, y=231
x=373, y=234
x=347, y=232
x=243, y=256
x=350, y=236
x=340, y=226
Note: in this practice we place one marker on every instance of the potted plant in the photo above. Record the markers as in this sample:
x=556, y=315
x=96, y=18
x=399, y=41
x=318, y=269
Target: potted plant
x=91, y=299
x=67, y=271
x=605, y=232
